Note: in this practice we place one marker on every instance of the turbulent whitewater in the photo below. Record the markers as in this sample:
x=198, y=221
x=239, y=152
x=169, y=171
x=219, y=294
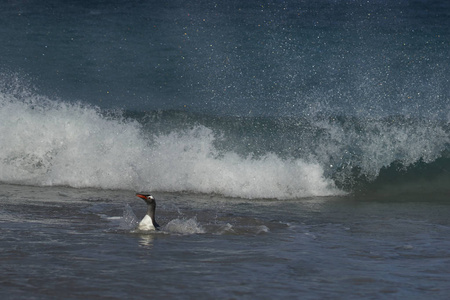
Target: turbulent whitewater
x=52, y=142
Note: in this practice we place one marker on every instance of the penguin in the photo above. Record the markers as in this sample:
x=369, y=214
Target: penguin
x=148, y=222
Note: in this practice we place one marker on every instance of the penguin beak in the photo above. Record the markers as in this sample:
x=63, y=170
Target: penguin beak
x=141, y=196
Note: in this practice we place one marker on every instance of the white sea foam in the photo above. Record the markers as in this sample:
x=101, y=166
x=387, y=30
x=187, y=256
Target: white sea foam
x=189, y=161
x=48, y=142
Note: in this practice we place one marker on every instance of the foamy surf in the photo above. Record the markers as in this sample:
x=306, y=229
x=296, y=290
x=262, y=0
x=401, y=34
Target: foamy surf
x=53, y=143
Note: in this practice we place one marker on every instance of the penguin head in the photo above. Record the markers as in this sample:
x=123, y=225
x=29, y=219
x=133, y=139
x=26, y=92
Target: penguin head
x=149, y=199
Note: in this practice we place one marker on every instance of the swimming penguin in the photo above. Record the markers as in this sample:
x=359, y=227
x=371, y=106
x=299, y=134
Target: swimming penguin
x=148, y=222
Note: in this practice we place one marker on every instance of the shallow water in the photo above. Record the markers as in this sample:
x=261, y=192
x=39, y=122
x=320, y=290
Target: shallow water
x=62, y=242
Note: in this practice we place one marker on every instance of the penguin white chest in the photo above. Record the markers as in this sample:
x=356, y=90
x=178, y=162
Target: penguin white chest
x=146, y=223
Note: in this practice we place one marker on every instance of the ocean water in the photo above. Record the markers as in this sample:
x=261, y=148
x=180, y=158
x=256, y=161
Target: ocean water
x=296, y=149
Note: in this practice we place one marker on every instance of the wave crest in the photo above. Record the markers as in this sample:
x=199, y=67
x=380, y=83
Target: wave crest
x=48, y=142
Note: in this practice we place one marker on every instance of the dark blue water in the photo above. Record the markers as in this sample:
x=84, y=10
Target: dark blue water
x=310, y=130
x=273, y=57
